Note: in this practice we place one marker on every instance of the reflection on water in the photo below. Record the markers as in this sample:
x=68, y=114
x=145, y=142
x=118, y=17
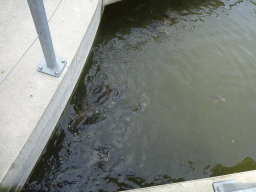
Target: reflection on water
x=167, y=95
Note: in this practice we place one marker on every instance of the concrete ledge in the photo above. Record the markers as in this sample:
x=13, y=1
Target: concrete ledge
x=201, y=185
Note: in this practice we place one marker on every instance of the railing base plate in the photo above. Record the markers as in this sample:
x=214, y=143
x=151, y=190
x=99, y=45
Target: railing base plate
x=43, y=68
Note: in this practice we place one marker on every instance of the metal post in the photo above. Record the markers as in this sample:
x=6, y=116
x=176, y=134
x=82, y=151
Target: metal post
x=51, y=65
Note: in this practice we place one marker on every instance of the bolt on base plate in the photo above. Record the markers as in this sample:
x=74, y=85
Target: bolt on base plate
x=53, y=72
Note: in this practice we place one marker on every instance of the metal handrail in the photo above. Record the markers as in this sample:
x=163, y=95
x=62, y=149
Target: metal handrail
x=50, y=65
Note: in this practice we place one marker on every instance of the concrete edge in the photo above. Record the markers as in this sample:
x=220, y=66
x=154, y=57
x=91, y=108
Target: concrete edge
x=108, y=2
x=23, y=165
x=201, y=185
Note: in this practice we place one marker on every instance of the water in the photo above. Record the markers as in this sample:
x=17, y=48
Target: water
x=143, y=112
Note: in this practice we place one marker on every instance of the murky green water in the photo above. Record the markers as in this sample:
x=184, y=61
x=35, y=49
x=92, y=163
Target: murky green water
x=143, y=113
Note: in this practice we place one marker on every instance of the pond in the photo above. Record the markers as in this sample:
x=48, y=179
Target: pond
x=167, y=95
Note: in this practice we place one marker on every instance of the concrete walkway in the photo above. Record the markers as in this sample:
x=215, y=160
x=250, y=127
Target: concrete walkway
x=32, y=102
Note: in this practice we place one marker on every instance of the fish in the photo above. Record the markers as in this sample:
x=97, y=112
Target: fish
x=120, y=92
x=104, y=96
x=217, y=98
x=97, y=90
x=155, y=26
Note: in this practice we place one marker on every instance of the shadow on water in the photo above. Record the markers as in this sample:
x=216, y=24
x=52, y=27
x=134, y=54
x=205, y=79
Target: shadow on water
x=143, y=112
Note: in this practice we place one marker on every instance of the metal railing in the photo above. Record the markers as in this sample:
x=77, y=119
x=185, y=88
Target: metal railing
x=50, y=65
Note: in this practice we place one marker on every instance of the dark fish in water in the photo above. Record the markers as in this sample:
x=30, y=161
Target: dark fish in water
x=103, y=97
x=103, y=151
x=120, y=93
x=155, y=27
x=217, y=98
x=97, y=90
